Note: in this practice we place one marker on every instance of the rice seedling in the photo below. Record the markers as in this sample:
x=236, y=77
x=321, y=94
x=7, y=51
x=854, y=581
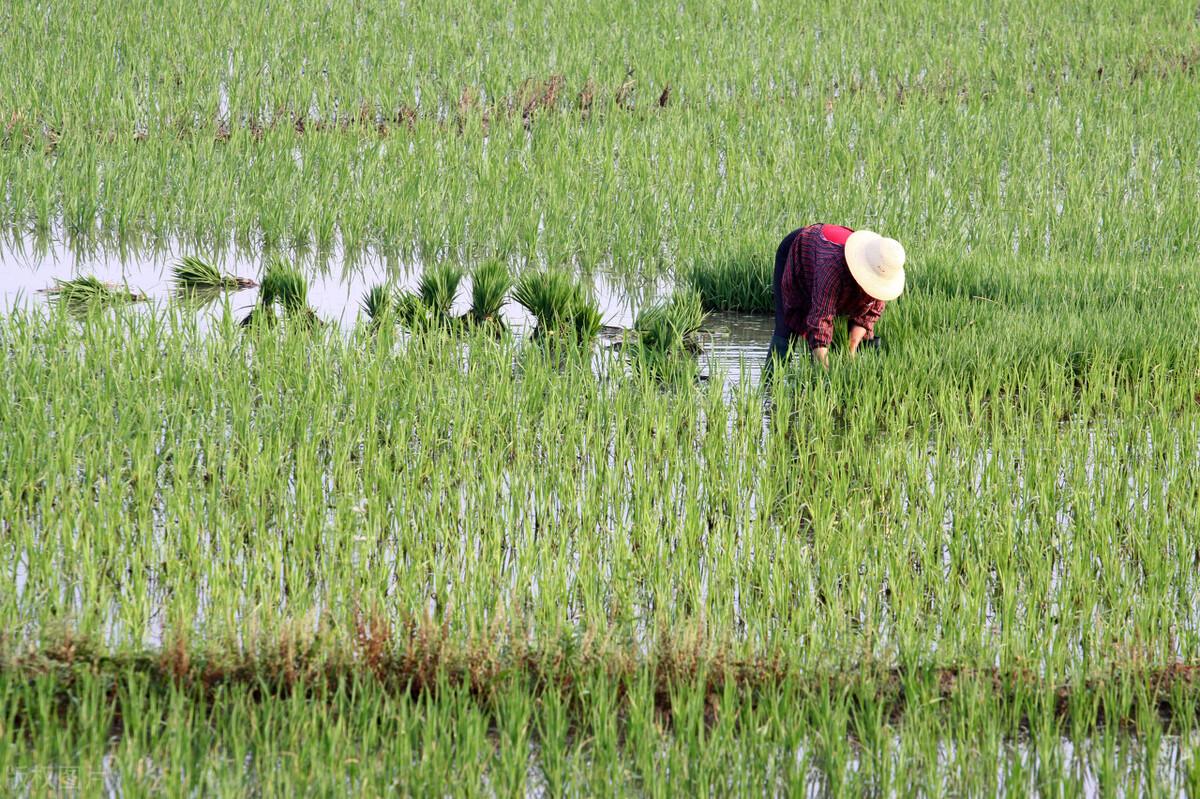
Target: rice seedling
x=559, y=303
x=964, y=569
x=193, y=273
x=379, y=305
x=490, y=284
x=431, y=303
x=672, y=325
x=90, y=291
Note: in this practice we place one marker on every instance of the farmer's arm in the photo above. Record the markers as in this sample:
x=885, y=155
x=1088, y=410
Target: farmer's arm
x=862, y=325
x=821, y=312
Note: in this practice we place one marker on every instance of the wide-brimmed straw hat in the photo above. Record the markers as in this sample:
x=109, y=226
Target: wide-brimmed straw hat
x=877, y=264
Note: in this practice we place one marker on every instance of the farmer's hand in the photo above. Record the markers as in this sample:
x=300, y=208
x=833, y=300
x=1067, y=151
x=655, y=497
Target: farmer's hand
x=822, y=356
x=857, y=334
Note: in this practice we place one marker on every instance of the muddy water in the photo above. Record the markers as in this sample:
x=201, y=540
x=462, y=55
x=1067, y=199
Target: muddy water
x=736, y=344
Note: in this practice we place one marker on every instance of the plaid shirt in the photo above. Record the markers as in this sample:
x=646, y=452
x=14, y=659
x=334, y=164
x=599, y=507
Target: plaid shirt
x=817, y=287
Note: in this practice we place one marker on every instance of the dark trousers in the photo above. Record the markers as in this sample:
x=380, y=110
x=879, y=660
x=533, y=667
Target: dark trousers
x=783, y=338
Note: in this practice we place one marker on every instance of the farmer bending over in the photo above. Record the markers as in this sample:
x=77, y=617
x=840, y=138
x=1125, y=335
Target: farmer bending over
x=826, y=271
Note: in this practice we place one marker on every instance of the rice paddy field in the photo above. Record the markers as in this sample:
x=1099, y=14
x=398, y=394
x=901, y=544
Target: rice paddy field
x=383, y=408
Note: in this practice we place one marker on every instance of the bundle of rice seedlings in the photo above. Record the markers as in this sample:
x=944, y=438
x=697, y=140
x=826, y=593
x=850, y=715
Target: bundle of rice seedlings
x=410, y=311
x=90, y=290
x=674, y=324
x=192, y=272
x=437, y=287
x=378, y=304
x=431, y=302
x=559, y=304
x=490, y=283
x=283, y=285
x=585, y=316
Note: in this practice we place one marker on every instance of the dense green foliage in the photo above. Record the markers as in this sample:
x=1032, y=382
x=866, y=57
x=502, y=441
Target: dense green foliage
x=961, y=129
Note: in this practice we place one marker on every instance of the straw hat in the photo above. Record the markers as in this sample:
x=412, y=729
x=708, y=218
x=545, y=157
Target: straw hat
x=877, y=264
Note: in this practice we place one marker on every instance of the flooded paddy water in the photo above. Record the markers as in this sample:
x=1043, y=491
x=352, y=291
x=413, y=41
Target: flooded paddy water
x=735, y=344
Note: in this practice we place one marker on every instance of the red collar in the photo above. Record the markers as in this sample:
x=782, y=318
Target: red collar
x=836, y=234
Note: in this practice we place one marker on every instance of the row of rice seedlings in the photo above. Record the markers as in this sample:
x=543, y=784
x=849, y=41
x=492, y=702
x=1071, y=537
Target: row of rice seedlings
x=682, y=182
x=1029, y=204
x=560, y=304
x=900, y=528
x=429, y=77
x=1002, y=482
x=600, y=734
x=734, y=284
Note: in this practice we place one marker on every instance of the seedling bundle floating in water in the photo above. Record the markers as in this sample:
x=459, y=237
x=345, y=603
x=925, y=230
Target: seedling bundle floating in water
x=89, y=291
x=194, y=273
